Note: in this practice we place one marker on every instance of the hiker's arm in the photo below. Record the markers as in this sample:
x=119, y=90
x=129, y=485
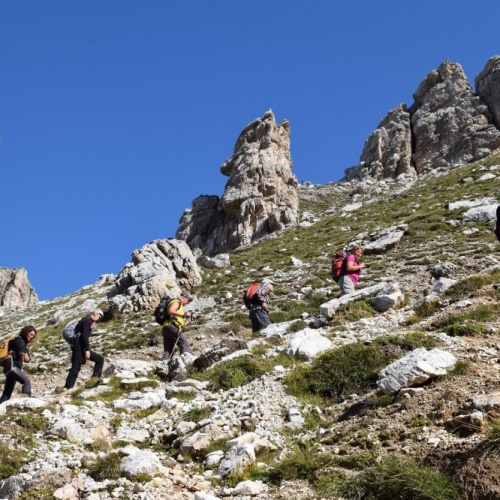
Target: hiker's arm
x=351, y=266
x=85, y=325
x=262, y=301
x=20, y=351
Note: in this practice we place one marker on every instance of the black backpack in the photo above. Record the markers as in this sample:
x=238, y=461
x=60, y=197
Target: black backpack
x=160, y=313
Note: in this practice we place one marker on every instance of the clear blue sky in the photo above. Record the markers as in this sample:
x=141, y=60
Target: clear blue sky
x=116, y=114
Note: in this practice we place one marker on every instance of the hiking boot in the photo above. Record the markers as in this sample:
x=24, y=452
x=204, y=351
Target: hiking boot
x=61, y=390
x=25, y=395
x=166, y=356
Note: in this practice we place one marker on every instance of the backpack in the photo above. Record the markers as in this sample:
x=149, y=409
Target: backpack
x=338, y=265
x=161, y=311
x=4, y=350
x=69, y=333
x=249, y=293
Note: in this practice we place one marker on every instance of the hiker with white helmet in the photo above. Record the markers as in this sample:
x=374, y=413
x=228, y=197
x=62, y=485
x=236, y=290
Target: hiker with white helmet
x=81, y=353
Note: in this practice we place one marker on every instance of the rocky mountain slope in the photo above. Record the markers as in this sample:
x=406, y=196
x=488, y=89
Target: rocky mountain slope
x=246, y=427
x=392, y=392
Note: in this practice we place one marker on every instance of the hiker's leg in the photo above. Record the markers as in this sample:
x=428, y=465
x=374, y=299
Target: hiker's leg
x=183, y=343
x=76, y=365
x=255, y=321
x=170, y=334
x=8, y=389
x=260, y=319
x=98, y=364
x=348, y=286
x=19, y=376
x=263, y=317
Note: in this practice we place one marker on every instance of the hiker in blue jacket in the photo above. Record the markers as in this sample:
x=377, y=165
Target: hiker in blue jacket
x=13, y=367
x=81, y=353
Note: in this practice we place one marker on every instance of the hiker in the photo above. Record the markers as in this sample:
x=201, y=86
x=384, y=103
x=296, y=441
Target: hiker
x=351, y=270
x=81, y=353
x=497, y=225
x=172, y=327
x=13, y=367
x=259, y=306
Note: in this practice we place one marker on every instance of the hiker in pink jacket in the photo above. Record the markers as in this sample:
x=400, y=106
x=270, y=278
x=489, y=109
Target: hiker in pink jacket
x=351, y=270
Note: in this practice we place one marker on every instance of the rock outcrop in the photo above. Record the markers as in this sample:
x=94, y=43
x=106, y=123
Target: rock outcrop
x=158, y=268
x=15, y=289
x=447, y=125
x=488, y=87
x=260, y=197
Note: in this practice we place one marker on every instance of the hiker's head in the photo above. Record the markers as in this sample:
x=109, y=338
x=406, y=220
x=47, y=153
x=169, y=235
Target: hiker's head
x=185, y=298
x=358, y=251
x=28, y=333
x=97, y=315
x=268, y=284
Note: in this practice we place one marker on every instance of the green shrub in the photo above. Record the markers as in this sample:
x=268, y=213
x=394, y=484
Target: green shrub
x=471, y=286
x=408, y=342
x=491, y=444
x=12, y=460
x=197, y=414
x=301, y=463
x=424, y=311
x=235, y=373
x=352, y=368
x=354, y=311
x=107, y=467
x=45, y=494
x=393, y=478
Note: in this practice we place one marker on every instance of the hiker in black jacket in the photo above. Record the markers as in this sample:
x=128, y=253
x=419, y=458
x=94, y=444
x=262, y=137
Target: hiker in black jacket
x=497, y=225
x=81, y=353
x=13, y=367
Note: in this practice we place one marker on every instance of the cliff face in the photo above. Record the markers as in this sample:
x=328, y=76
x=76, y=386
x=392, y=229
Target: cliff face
x=260, y=196
x=15, y=288
x=447, y=125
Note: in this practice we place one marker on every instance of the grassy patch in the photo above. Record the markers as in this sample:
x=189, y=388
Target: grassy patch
x=392, y=478
x=301, y=463
x=12, y=460
x=335, y=374
x=197, y=414
x=107, y=467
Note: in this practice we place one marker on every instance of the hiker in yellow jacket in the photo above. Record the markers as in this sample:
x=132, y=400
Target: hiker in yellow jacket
x=172, y=328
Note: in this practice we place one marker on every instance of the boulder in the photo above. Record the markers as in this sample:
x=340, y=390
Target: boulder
x=307, y=344
x=159, y=268
x=390, y=298
x=415, y=368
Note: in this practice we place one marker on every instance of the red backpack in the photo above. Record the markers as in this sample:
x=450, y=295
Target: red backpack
x=338, y=265
x=249, y=293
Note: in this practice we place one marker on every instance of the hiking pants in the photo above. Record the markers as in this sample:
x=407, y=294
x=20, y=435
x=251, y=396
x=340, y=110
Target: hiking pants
x=172, y=336
x=13, y=376
x=346, y=285
x=259, y=318
x=76, y=365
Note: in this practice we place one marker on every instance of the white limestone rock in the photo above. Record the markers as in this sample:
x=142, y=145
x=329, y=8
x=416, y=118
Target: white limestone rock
x=415, y=368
